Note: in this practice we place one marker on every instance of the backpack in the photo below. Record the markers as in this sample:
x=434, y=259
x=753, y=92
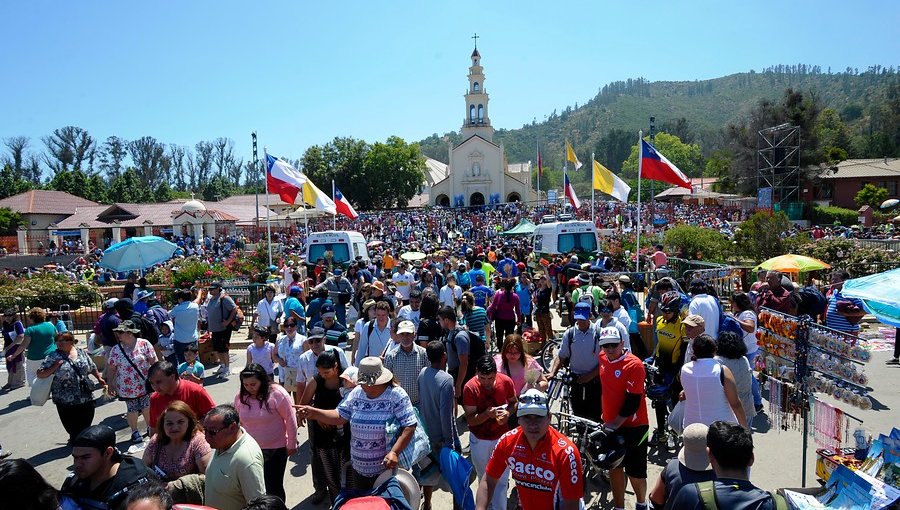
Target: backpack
x=707, y=491
x=813, y=300
x=727, y=323
x=148, y=330
x=477, y=349
x=156, y=316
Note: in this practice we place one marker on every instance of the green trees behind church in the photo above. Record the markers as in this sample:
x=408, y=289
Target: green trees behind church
x=372, y=176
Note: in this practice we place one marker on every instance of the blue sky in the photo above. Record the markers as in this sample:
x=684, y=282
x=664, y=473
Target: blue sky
x=301, y=73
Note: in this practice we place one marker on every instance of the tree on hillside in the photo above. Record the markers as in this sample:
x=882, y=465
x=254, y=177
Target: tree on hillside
x=226, y=163
x=871, y=195
x=176, y=155
x=397, y=171
x=9, y=221
x=218, y=188
x=10, y=184
x=127, y=188
x=70, y=148
x=687, y=157
x=150, y=160
x=614, y=148
x=759, y=237
x=680, y=128
x=111, y=156
x=199, y=165
x=17, y=147
x=795, y=109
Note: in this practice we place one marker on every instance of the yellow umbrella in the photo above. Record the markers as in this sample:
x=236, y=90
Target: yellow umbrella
x=792, y=263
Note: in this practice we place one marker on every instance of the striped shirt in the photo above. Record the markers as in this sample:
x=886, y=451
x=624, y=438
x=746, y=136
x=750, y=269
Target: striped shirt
x=368, y=417
x=476, y=321
x=834, y=320
x=406, y=367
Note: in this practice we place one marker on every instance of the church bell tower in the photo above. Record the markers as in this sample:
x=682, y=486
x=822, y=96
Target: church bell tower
x=476, y=121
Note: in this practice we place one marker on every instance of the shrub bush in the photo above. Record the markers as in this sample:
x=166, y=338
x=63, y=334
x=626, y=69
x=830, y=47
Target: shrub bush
x=827, y=215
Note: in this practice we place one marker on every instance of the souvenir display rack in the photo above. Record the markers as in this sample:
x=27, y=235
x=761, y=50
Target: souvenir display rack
x=803, y=358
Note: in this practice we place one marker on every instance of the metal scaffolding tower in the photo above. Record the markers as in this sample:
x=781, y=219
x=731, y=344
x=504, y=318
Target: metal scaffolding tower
x=778, y=164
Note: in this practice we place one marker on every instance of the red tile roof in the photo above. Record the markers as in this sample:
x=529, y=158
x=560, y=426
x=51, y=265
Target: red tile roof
x=45, y=202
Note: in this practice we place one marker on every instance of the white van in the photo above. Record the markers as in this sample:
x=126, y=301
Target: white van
x=344, y=247
x=563, y=237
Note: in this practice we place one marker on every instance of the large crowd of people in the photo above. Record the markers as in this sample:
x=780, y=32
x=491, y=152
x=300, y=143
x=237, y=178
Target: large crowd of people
x=437, y=343
x=425, y=356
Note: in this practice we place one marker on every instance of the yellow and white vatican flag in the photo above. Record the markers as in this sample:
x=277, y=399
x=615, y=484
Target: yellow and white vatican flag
x=314, y=198
x=609, y=183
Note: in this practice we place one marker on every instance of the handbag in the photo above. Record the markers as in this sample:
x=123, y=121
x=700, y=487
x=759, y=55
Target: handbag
x=238, y=320
x=419, y=446
x=40, y=390
x=83, y=382
x=147, y=387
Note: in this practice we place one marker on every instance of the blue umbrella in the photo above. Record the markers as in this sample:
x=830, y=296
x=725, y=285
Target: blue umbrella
x=879, y=293
x=137, y=253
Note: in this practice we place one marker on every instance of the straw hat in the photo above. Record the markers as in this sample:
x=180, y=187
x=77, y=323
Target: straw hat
x=372, y=372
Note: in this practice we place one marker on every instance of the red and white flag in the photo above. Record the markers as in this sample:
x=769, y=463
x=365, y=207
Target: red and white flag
x=342, y=205
x=283, y=179
x=570, y=193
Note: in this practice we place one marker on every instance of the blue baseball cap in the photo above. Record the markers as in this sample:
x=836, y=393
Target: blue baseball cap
x=582, y=311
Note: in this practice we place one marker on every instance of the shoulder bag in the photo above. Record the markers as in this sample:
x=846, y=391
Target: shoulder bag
x=147, y=387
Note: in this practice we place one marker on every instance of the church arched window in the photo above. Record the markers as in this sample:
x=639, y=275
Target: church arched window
x=472, y=113
x=476, y=87
x=480, y=113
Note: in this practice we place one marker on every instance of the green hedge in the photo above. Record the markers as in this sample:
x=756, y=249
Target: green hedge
x=827, y=215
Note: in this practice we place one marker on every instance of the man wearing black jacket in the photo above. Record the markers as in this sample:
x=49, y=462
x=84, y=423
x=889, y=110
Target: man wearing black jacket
x=102, y=477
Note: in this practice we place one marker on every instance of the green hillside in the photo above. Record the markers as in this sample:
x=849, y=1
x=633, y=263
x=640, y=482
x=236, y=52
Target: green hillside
x=707, y=107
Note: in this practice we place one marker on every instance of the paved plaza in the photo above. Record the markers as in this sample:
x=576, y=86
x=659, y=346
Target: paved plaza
x=35, y=434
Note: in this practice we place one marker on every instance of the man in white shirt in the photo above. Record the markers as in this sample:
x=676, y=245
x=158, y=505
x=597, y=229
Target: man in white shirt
x=404, y=282
x=705, y=306
x=375, y=338
x=451, y=293
x=411, y=311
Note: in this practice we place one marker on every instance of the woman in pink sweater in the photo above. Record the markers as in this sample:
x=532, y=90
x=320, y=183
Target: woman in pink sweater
x=267, y=414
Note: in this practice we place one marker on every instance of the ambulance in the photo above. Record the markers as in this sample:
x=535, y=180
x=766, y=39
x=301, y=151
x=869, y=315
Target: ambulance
x=564, y=237
x=341, y=246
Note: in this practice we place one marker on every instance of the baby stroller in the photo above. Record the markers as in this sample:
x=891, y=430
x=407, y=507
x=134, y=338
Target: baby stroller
x=395, y=489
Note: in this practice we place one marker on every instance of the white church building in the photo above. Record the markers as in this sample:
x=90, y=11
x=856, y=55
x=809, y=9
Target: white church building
x=478, y=173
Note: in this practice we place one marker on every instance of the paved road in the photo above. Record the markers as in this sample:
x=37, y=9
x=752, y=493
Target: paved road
x=35, y=433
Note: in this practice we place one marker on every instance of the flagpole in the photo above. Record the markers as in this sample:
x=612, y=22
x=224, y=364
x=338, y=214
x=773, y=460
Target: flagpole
x=592, y=189
x=538, y=143
x=268, y=220
x=334, y=217
x=565, y=169
x=637, y=258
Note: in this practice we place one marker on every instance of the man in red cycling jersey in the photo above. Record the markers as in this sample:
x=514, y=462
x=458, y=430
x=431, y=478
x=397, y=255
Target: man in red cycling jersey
x=625, y=413
x=544, y=463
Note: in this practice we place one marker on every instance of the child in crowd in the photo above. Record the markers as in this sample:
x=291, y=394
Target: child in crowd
x=262, y=352
x=166, y=339
x=191, y=369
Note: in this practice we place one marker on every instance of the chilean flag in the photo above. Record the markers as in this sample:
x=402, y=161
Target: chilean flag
x=343, y=205
x=656, y=167
x=283, y=179
x=570, y=192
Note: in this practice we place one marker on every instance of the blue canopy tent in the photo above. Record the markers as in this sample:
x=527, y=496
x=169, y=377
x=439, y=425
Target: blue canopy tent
x=879, y=293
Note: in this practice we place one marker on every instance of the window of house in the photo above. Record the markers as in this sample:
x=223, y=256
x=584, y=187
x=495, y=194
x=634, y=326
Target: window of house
x=891, y=187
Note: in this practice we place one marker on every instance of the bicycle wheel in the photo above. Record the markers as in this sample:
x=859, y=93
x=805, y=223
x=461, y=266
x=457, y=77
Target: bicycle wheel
x=548, y=352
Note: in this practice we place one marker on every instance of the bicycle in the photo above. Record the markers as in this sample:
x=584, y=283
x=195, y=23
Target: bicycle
x=597, y=453
x=659, y=390
x=548, y=351
x=559, y=394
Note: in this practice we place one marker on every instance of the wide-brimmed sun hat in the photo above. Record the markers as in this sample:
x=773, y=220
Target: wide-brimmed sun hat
x=372, y=372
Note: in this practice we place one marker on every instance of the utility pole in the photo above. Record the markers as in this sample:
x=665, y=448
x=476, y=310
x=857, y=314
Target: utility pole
x=255, y=177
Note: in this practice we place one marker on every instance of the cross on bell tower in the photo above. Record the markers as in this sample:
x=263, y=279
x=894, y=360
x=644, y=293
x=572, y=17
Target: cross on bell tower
x=476, y=120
